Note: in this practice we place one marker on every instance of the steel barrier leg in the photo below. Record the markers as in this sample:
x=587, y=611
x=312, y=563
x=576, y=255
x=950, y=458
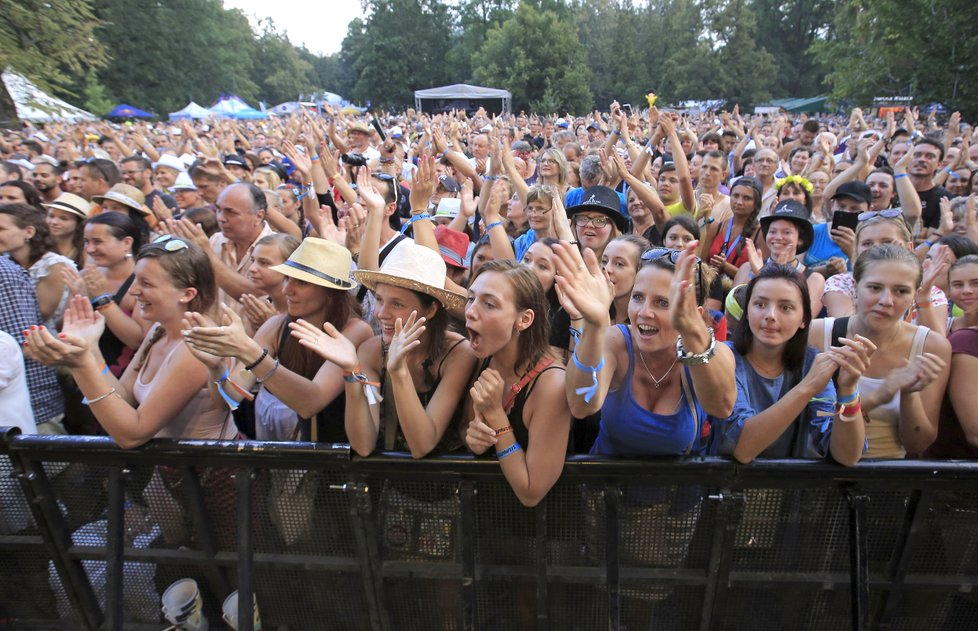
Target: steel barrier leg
x=217, y=577
x=730, y=507
x=244, y=480
x=908, y=540
x=543, y=608
x=466, y=492
x=367, y=540
x=51, y=523
x=115, y=548
x=612, y=495
x=858, y=559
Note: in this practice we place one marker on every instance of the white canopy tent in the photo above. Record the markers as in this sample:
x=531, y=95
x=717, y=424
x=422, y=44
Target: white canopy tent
x=33, y=104
x=462, y=96
x=192, y=110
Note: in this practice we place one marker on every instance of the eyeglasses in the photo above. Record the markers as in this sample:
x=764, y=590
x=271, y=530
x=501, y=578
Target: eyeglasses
x=547, y=161
x=598, y=222
x=170, y=243
x=889, y=213
x=656, y=254
x=539, y=210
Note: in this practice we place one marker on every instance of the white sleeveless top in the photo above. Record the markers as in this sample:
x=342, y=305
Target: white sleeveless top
x=883, y=427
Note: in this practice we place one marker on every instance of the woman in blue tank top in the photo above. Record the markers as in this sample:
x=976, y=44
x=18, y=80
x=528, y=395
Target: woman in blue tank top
x=654, y=394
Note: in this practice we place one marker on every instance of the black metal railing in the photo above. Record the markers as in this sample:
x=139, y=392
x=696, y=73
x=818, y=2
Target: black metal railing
x=90, y=536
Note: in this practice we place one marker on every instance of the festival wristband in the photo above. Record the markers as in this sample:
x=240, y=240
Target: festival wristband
x=588, y=391
x=508, y=451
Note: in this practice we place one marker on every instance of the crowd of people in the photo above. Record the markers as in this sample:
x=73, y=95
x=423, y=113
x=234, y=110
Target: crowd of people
x=624, y=283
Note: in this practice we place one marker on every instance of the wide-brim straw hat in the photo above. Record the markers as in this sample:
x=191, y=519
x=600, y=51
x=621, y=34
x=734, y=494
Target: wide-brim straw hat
x=417, y=268
x=319, y=262
x=70, y=203
x=127, y=196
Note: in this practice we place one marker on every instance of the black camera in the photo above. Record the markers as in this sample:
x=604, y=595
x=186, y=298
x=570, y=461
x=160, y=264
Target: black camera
x=354, y=159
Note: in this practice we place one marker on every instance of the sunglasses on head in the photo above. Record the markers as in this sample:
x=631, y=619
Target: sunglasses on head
x=391, y=180
x=656, y=254
x=889, y=213
x=170, y=243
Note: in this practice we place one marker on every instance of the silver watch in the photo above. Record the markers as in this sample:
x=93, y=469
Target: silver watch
x=696, y=359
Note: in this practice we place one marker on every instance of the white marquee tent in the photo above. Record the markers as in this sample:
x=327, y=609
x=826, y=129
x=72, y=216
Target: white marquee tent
x=462, y=96
x=33, y=104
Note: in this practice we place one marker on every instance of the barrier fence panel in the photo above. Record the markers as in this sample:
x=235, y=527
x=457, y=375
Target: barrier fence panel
x=91, y=536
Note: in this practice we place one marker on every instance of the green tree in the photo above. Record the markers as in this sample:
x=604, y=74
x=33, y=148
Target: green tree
x=279, y=70
x=787, y=29
x=612, y=38
x=531, y=53
x=746, y=71
x=401, y=48
x=472, y=21
x=51, y=41
x=925, y=49
x=165, y=54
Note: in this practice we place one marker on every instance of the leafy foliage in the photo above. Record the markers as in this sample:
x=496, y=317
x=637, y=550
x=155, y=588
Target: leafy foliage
x=553, y=55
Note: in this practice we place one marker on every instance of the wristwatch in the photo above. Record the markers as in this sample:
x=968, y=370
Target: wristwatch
x=696, y=359
x=102, y=302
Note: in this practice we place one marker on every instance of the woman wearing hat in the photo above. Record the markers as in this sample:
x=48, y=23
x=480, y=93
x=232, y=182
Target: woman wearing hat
x=597, y=219
x=787, y=235
x=294, y=382
x=418, y=367
x=65, y=216
x=127, y=200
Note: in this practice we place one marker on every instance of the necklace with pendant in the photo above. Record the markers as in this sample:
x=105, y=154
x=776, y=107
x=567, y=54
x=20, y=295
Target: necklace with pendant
x=657, y=382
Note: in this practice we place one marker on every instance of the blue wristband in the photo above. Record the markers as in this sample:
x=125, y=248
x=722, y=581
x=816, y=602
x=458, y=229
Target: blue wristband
x=588, y=391
x=493, y=225
x=897, y=176
x=220, y=389
x=849, y=399
x=414, y=218
x=509, y=450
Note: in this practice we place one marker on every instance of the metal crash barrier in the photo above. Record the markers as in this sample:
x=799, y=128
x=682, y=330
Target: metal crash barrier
x=91, y=536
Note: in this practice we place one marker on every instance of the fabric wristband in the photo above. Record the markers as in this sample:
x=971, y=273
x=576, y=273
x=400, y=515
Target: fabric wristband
x=509, y=450
x=588, y=391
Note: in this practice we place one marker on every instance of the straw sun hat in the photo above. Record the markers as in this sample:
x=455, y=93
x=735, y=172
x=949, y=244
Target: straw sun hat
x=319, y=262
x=413, y=267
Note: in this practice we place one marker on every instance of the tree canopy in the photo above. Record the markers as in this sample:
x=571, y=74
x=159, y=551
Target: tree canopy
x=553, y=55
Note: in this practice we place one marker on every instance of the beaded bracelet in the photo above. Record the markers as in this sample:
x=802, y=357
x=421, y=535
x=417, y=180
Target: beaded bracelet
x=261, y=358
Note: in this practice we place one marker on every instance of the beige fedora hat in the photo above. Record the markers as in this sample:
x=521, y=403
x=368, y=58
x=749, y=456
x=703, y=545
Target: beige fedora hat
x=413, y=267
x=319, y=262
x=70, y=203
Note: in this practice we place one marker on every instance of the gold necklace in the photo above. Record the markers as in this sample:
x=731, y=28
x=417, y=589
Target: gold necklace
x=657, y=382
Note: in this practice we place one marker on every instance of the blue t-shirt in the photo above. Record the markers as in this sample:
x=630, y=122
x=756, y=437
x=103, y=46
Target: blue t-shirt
x=576, y=195
x=756, y=393
x=523, y=243
x=823, y=247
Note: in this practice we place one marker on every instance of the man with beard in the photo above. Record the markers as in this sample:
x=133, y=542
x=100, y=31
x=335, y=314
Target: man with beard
x=47, y=179
x=137, y=172
x=926, y=159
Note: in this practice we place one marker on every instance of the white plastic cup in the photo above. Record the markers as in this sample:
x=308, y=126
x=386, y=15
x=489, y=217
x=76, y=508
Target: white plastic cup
x=230, y=611
x=182, y=605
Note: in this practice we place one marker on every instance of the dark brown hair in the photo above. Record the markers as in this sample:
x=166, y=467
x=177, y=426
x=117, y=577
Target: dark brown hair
x=794, y=351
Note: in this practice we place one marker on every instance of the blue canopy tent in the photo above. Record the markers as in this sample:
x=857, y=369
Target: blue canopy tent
x=128, y=111
x=192, y=110
x=231, y=106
